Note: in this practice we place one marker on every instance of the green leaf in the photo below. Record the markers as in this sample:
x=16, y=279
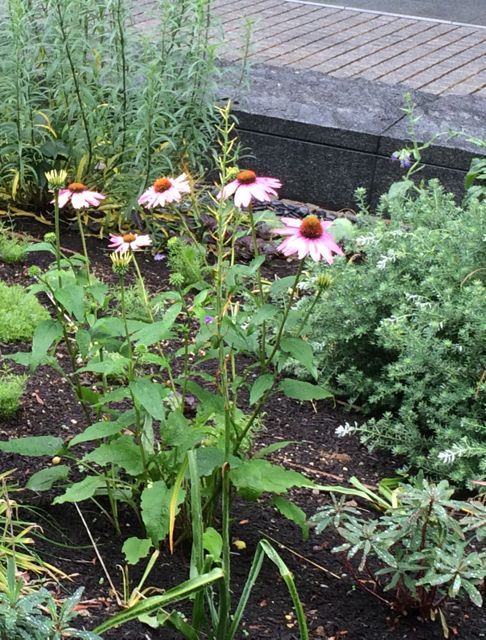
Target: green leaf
x=34, y=446
x=122, y=452
x=111, y=367
x=82, y=490
x=134, y=549
x=44, y=479
x=292, y=512
x=71, y=297
x=180, y=592
x=149, y=395
x=96, y=431
x=110, y=327
x=41, y=246
x=260, y=386
x=265, y=451
x=282, y=285
x=473, y=593
x=399, y=189
x=254, y=477
x=213, y=542
x=264, y=313
x=342, y=229
x=157, y=331
x=154, y=502
x=299, y=390
x=208, y=459
x=301, y=351
x=46, y=333
x=83, y=340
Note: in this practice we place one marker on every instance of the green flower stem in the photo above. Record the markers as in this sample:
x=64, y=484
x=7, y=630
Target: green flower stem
x=309, y=311
x=83, y=243
x=57, y=230
x=256, y=253
x=150, y=314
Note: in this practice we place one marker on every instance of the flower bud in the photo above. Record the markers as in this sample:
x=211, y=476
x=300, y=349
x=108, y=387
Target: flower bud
x=56, y=179
x=50, y=237
x=34, y=271
x=324, y=281
x=120, y=262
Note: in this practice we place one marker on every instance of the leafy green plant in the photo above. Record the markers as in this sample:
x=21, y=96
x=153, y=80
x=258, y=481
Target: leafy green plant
x=37, y=615
x=418, y=554
x=186, y=262
x=12, y=249
x=404, y=333
x=11, y=389
x=84, y=88
x=20, y=313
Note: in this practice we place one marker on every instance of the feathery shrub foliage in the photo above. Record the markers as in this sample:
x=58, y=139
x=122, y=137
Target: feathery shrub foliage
x=20, y=313
x=87, y=87
x=402, y=330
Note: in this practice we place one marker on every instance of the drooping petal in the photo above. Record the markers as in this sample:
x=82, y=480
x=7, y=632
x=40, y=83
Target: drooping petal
x=64, y=197
x=78, y=200
x=242, y=196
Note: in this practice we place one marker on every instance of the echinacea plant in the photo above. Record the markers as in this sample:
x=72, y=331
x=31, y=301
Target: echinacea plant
x=162, y=393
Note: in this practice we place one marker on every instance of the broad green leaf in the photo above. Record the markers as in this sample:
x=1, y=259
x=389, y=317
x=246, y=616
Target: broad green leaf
x=46, y=333
x=149, y=395
x=399, y=189
x=110, y=367
x=300, y=390
x=41, y=246
x=134, y=549
x=254, y=477
x=157, y=331
x=301, y=351
x=44, y=479
x=264, y=313
x=473, y=593
x=155, y=509
x=71, y=297
x=292, y=512
x=208, y=459
x=342, y=229
x=83, y=340
x=260, y=386
x=109, y=326
x=282, y=285
x=213, y=542
x=96, y=431
x=82, y=490
x=122, y=452
x=34, y=446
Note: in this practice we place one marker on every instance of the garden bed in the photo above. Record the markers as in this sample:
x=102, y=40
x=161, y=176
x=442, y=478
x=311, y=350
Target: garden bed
x=334, y=607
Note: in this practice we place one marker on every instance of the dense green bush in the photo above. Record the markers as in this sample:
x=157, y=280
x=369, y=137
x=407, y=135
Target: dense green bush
x=12, y=249
x=20, y=313
x=402, y=329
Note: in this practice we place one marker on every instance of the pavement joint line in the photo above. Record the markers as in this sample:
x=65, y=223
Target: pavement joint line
x=388, y=13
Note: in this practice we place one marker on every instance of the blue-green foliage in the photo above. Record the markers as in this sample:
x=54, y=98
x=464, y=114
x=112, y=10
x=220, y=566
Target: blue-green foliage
x=402, y=329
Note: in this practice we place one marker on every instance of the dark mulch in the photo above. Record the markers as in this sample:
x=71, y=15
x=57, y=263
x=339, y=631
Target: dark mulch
x=336, y=609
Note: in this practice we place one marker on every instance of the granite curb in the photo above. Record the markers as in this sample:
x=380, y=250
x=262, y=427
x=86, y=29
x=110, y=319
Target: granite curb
x=325, y=136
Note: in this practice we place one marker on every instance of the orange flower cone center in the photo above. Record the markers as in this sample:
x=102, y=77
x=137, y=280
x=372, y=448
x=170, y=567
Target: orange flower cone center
x=162, y=184
x=129, y=237
x=77, y=187
x=311, y=228
x=246, y=176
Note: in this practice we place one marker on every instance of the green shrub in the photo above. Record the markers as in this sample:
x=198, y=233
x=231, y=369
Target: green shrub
x=402, y=330
x=11, y=389
x=11, y=248
x=20, y=313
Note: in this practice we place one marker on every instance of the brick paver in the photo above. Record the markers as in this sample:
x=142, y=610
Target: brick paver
x=436, y=56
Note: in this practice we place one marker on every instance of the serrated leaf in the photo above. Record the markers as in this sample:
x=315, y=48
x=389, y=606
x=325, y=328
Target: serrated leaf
x=300, y=390
x=254, y=477
x=44, y=479
x=260, y=386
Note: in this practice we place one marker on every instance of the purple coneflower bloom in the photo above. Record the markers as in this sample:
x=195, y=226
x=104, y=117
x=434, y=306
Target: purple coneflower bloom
x=128, y=242
x=164, y=191
x=248, y=185
x=80, y=196
x=308, y=237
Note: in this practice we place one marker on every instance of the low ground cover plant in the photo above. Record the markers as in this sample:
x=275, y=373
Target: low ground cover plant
x=404, y=329
x=20, y=313
x=12, y=388
x=424, y=550
x=12, y=248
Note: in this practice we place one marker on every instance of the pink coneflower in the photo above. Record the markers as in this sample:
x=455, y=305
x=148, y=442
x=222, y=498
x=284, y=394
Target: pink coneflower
x=164, y=191
x=80, y=196
x=308, y=237
x=248, y=185
x=128, y=242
